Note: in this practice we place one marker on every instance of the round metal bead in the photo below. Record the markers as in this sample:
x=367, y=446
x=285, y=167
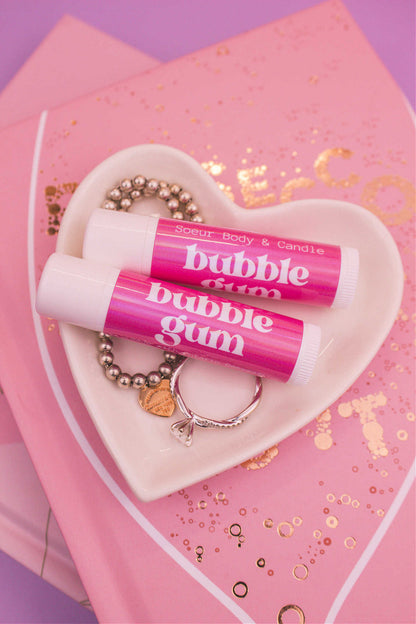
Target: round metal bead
x=152, y=187
x=185, y=197
x=114, y=194
x=165, y=369
x=105, y=358
x=164, y=193
x=126, y=185
x=125, y=203
x=135, y=194
x=175, y=189
x=138, y=381
x=191, y=209
x=172, y=204
x=163, y=184
x=124, y=380
x=154, y=378
x=112, y=372
x=139, y=182
x=197, y=218
x=103, y=335
x=109, y=204
x=170, y=357
x=178, y=215
x=105, y=344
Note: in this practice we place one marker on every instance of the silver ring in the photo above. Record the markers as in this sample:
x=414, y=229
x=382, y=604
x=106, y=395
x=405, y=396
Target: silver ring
x=183, y=429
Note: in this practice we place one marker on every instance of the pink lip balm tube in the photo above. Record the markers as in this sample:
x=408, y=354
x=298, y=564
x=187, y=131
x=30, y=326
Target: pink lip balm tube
x=126, y=304
x=223, y=259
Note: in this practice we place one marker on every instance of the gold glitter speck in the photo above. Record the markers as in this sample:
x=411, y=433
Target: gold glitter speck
x=300, y=572
x=350, y=542
x=332, y=522
x=213, y=168
x=402, y=435
x=285, y=529
x=323, y=441
x=291, y=607
x=240, y=589
x=222, y=50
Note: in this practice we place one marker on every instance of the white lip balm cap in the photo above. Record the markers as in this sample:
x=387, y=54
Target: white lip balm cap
x=308, y=354
x=121, y=239
x=76, y=291
x=348, y=277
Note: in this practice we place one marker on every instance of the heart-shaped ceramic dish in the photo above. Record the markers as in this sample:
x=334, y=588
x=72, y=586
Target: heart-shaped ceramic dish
x=152, y=461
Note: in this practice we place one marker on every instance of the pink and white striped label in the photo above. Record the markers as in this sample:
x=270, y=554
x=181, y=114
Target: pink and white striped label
x=204, y=326
x=246, y=263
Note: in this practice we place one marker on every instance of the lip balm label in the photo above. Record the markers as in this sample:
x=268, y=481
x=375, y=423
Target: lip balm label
x=252, y=264
x=196, y=324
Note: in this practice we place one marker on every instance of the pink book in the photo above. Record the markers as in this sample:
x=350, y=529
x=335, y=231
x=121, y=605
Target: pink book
x=264, y=537
x=61, y=73
x=58, y=71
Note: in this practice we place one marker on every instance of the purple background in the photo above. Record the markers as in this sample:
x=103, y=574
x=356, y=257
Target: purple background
x=168, y=29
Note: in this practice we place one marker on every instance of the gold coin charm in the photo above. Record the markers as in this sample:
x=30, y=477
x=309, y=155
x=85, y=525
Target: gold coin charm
x=157, y=400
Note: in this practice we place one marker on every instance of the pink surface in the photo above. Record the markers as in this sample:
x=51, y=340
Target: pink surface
x=314, y=528
x=58, y=71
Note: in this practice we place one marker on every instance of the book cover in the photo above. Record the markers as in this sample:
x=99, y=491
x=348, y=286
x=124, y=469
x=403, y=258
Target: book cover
x=55, y=73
